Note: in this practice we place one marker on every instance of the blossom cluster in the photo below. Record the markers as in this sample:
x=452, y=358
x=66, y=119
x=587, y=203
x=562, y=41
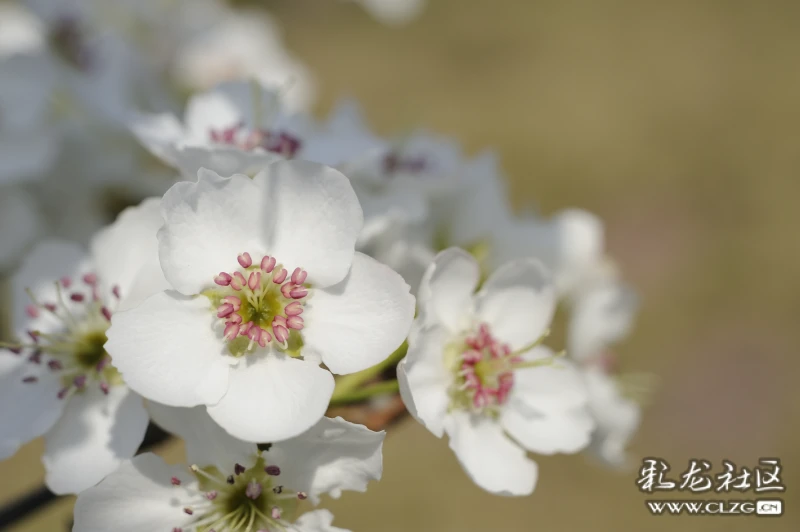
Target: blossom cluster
x=276, y=264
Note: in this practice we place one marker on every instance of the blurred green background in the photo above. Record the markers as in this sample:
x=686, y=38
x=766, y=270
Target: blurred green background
x=679, y=124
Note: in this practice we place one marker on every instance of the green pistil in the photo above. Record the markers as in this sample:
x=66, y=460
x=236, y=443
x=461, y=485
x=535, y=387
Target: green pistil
x=90, y=350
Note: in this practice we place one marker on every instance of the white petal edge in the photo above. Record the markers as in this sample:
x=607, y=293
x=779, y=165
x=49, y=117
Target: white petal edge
x=332, y=456
x=31, y=408
x=518, y=302
x=121, y=251
x=424, y=379
x=94, y=436
x=207, y=225
x=447, y=289
x=136, y=497
x=206, y=442
x=317, y=521
x=167, y=350
x=489, y=457
x=273, y=397
x=360, y=321
x=316, y=219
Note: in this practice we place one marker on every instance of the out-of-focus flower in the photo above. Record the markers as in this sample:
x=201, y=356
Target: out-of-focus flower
x=28, y=142
x=154, y=28
x=571, y=244
x=266, y=285
x=230, y=484
x=244, y=44
x=20, y=224
x=59, y=375
x=601, y=316
x=393, y=12
x=234, y=128
x=475, y=370
x=20, y=30
x=420, y=193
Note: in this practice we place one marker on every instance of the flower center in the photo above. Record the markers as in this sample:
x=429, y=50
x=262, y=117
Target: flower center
x=246, y=500
x=485, y=375
x=76, y=350
x=259, y=303
x=240, y=137
x=484, y=370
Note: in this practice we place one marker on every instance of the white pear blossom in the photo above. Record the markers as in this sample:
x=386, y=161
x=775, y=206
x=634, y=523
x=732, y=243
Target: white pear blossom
x=601, y=316
x=265, y=285
x=244, y=44
x=230, y=485
x=59, y=375
x=475, y=370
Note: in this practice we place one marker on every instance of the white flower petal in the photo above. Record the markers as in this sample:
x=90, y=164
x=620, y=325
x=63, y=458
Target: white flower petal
x=31, y=408
x=360, y=321
x=124, y=249
x=207, y=225
x=272, y=397
x=224, y=160
x=167, y=350
x=316, y=218
x=599, y=318
x=553, y=387
x=570, y=245
x=159, y=133
x=94, y=436
x=47, y=263
x=206, y=442
x=332, y=456
x=483, y=191
x=138, y=497
x=490, y=458
x=424, y=379
x=317, y=521
x=446, y=292
x=518, y=302
x=546, y=412
x=617, y=418
x=567, y=432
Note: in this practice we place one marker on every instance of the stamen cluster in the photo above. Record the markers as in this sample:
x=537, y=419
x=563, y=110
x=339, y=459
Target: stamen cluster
x=239, y=136
x=260, y=302
x=76, y=351
x=247, y=499
x=486, y=369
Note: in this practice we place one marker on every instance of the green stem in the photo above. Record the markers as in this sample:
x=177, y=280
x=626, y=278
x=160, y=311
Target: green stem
x=347, y=385
x=379, y=388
